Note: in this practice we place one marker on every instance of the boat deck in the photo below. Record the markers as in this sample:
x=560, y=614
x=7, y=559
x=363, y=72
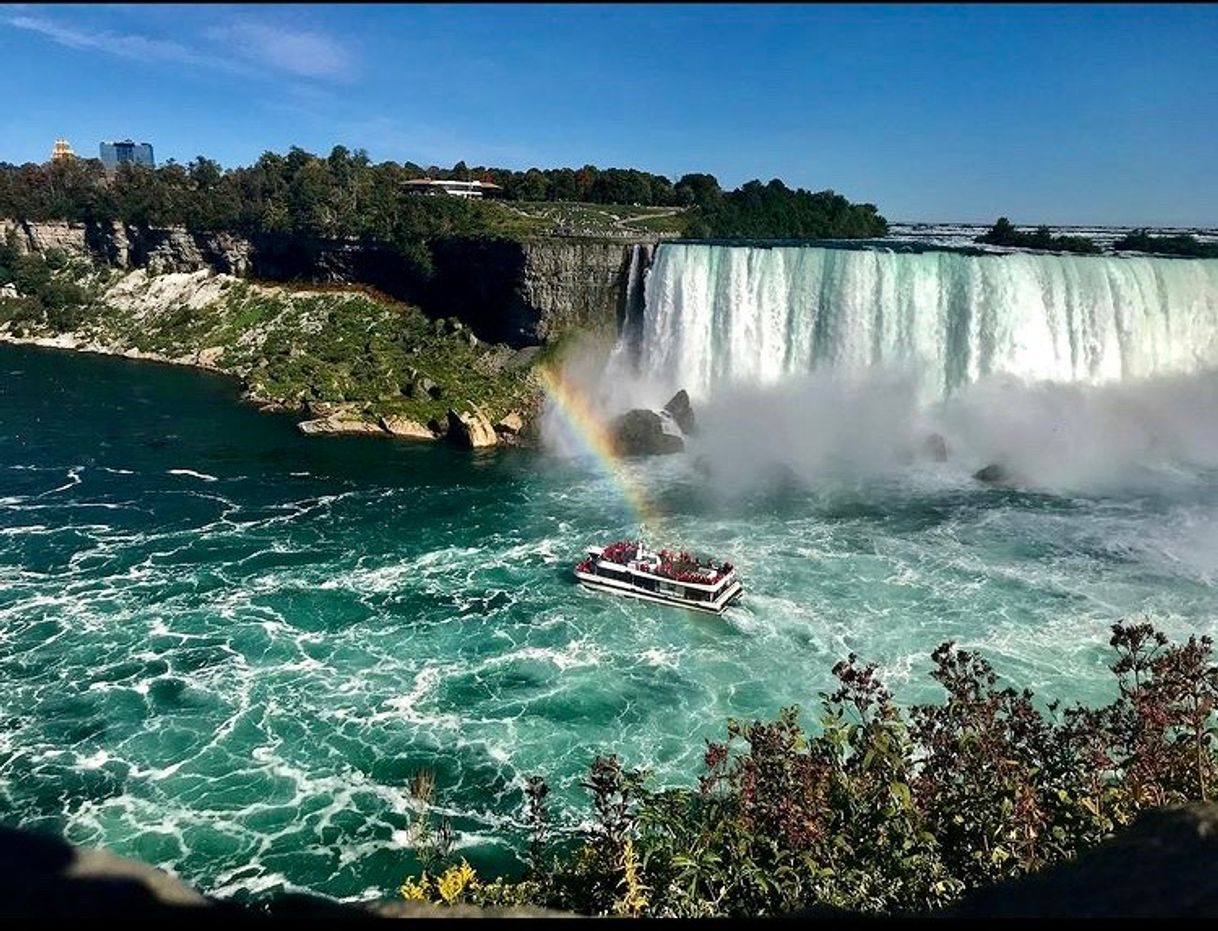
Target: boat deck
x=660, y=577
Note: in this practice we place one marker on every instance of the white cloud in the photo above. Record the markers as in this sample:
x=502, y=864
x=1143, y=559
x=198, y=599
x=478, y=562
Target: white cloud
x=126, y=45
x=298, y=52
x=241, y=48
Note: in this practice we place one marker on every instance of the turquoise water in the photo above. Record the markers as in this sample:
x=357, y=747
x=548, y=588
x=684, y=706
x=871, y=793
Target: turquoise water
x=225, y=648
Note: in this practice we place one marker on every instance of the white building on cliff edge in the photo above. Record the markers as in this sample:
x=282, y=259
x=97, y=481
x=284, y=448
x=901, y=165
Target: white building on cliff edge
x=453, y=188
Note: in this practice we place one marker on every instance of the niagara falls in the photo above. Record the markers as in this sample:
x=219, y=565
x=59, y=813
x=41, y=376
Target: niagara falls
x=684, y=461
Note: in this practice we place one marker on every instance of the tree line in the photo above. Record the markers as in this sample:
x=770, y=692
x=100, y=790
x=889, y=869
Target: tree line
x=1183, y=244
x=1003, y=233
x=345, y=194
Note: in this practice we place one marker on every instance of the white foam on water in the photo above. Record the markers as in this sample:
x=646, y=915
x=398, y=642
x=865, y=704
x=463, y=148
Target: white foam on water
x=74, y=479
x=202, y=476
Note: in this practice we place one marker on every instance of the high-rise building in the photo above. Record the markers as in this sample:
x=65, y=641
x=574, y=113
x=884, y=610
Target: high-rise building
x=126, y=152
x=61, y=150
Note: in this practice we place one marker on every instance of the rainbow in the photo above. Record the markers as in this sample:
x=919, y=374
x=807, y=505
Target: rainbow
x=589, y=431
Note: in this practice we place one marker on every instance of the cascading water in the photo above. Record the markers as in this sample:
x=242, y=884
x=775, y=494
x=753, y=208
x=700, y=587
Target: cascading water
x=718, y=314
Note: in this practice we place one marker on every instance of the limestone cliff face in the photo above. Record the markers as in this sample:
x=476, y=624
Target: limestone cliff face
x=533, y=292
x=521, y=293
x=158, y=249
x=577, y=283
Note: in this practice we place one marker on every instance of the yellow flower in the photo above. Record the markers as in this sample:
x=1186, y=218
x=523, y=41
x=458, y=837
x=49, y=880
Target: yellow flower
x=634, y=898
x=455, y=881
x=417, y=890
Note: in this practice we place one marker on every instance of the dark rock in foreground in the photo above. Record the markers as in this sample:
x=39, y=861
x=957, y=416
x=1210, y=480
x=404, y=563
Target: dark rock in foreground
x=682, y=412
x=1164, y=865
x=641, y=432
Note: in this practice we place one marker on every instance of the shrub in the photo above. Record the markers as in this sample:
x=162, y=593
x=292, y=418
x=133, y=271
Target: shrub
x=1003, y=233
x=881, y=810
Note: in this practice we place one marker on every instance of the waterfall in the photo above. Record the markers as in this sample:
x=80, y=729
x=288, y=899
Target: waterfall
x=719, y=314
x=634, y=299
x=619, y=382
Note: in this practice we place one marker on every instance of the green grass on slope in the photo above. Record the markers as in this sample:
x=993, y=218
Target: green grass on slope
x=294, y=347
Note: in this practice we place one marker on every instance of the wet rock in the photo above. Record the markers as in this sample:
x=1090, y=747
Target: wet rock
x=641, y=432
x=512, y=423
x=336, y=425
x=682, y=412
x=993, y=474
x=934, y=447
x=399, y=425
x=470, y=430
x=437, y=426
x=282, y=406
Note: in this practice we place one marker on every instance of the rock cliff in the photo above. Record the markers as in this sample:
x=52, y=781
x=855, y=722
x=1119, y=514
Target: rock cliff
x=517, y=292
x=529, y=292
x=157, y=249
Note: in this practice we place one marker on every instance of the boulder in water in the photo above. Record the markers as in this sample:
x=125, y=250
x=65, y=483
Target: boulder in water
x=993, y=474
x=512, y=424
x=641, y=432
x=337, y=424
x=935, y=447
x=471, y=430
x=682, y=412
x=402, y=426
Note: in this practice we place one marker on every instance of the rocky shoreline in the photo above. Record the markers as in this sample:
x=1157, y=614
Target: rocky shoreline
x=470, y=429
x=343, y=359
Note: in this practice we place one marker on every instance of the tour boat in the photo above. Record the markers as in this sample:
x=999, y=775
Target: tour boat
x=629, y=568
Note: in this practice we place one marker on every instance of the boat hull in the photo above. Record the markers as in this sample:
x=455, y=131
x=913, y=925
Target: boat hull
x=597, y=583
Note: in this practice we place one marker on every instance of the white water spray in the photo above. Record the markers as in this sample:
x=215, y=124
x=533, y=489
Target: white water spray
x=1076, y=372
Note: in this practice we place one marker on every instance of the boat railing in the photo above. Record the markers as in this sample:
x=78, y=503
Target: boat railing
x=666, y=564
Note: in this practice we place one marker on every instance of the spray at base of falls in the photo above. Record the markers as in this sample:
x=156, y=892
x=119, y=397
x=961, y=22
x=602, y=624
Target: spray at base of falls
x=816, y=363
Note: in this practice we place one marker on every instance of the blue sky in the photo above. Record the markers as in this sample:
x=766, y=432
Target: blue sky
x=1061, y=114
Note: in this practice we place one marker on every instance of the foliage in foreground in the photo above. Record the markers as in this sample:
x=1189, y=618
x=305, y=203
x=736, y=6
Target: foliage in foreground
x=1003, y=233
x=880, y=810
